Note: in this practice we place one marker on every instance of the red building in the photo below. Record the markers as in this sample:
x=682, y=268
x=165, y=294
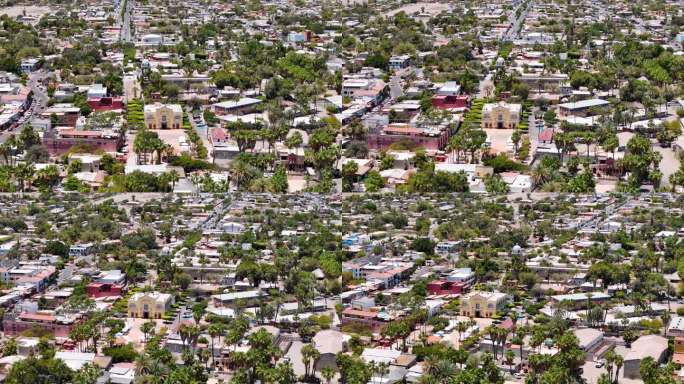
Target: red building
x=57, y=143
x=450, y=101
x=13, y=325
x=96, y=290
x=443, y=287
x=367, y=318
x=430, y=139
x=105, y=104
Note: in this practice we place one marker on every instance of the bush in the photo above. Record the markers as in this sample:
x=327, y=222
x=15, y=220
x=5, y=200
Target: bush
x=189, y=164
x=121, y=353
x=501, y=163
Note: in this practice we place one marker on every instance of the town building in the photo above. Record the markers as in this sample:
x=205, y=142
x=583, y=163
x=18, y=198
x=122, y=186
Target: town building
x=443, y=287
x=483, y=304
x=501, y=115
x=399, y=62
x=16, y=324
x=149, y=305
x=581, y=108
x=654, y=346
x=60, y=142
x=163, y=116
x=429, y=137
x=242, y=106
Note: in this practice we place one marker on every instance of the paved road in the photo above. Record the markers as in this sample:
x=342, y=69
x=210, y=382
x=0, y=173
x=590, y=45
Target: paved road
x=512, y=32
x=126, y=34
x=395, y=87
x=202, y=131
x=38, y=104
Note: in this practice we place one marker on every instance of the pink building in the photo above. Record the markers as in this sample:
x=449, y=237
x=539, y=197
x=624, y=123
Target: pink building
x=367, y=318
x=394, y=133
x=96, y=290
x=443, y=287
x=105, y=104
x=450, y=101
x=60, y=142
x=13, y=325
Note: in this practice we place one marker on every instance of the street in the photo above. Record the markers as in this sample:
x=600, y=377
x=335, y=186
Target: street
x=512, y=32
x=38, y=104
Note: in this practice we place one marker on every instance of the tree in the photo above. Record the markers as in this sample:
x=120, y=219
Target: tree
x=521, y=90
x=24, y=173
x=182, y=280
x=173, y=178
x=279, y=180
x=652, y=373
x=423, y=244
x=474, y=138
x=293, y=140
x=10, y=347
x=349, y=170
x=610, y=144
x=564, y=142
x=146, y=328
x=39, y=371
x=309, y=357
x=328, y=374
x=397, y=329
x=215, y=330
x=88, y=374
x=494, y=184
x=257, y=364
x=550, y=118
x=56, y=247
x=28, y=137
x=509, y=356
x=640, y=159
x=353, y=370
x=374, y=181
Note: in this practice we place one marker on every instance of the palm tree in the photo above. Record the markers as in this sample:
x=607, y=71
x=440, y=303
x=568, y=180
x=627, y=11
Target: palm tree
x=173, y=178
x=494, y=334
x=204, y=357
x=239, y=173
x=455, y=145
x=537, y=338
x=328, y=373
x=214, y=330
x=440, y=371
x=146, y=328
x=5, y=152
x=158, y=148
x=510, y=357
x=24, y=173
x=309, y=357
x=521, y=332
x=541, y=175
x=382, y=369
x=461, y=327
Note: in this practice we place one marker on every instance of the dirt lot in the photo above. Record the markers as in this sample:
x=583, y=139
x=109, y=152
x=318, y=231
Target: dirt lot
x=31, y=10
x=430, y=8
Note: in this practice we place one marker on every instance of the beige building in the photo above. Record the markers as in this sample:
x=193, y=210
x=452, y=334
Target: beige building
x=501, y=115
x=149, y=305
x=483, y=304
x=163, y=116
